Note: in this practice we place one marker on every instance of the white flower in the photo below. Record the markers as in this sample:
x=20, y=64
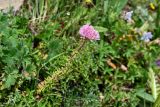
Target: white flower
x=147, y=36
x=128, y=16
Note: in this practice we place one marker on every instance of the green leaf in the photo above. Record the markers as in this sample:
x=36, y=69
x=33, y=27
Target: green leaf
x=152, y=82
x=157, y=102
x=100, y=29
x=55, y=47
x=11, y=79
x=106, y=6
x=145, y=96
x=120, y=5
x=144, y=27
x=116, y=6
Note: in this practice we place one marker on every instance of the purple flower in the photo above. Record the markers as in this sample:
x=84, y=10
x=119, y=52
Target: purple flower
x=87, y=31
x=147, y=36
x=158, y=62
x=128, y=16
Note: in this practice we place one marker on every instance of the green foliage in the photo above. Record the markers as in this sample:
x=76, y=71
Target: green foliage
x=44, y=62
x=145, y=96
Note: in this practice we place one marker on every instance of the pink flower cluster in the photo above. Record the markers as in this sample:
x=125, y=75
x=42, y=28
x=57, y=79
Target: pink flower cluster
x=87, y=31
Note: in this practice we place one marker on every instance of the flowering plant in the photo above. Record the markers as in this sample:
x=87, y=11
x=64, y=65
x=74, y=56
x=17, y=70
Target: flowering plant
x=88, y=31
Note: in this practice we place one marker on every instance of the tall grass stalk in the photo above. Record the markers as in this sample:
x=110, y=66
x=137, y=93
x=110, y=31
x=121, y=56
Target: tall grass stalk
x=38, y=10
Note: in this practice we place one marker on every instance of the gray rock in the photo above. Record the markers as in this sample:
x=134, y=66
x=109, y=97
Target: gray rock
x=5, y=5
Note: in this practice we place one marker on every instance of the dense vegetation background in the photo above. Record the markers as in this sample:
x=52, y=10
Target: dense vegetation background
x=44, y=62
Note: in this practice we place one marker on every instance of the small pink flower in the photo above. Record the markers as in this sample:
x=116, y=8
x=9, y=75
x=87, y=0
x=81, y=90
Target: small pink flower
x=87, y=31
